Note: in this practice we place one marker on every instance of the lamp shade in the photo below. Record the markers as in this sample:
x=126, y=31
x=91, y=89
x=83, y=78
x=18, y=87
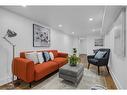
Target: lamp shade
x=11, y=33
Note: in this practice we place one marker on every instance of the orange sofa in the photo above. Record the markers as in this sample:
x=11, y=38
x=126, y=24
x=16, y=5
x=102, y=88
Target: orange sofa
x=27, y=71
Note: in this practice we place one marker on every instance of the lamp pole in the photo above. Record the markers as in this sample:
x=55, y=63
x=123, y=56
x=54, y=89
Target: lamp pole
x=13, y=57
x=10, y=34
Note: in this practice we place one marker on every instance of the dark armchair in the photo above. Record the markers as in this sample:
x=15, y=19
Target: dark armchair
x=99, y=61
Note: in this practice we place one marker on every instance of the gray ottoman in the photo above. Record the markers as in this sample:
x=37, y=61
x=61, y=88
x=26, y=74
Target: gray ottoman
x=71, y=73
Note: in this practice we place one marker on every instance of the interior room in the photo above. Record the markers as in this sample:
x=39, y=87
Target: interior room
x=63, y=47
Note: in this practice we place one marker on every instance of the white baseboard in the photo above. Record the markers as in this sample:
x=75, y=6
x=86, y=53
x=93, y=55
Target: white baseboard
x=117, y=83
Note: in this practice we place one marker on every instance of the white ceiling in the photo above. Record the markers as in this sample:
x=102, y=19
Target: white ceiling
x=72, y=18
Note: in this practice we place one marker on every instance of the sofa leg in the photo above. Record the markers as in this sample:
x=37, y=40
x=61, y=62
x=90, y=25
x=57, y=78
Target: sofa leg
x=98, y=70
x=88, y=65
x=107, y=68
x=30, y=85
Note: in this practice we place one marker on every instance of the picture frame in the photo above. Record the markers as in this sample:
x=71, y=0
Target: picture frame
x=41, y=36
x=99, y=42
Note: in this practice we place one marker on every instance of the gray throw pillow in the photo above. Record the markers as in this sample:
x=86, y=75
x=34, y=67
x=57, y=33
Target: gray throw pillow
x=100, y=54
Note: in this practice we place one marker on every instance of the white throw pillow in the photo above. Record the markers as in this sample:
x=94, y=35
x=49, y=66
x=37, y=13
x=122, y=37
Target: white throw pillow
x=40, y=57
x=32, y=56
x=51, y=55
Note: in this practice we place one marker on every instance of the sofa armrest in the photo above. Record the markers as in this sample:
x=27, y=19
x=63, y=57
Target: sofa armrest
x=23, y=69
x=61, y=54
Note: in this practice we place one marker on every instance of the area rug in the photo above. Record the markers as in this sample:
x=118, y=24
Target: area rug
x=89, y=79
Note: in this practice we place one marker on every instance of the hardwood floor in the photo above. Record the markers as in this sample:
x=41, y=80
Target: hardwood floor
x=83, y=57
x=104, y=74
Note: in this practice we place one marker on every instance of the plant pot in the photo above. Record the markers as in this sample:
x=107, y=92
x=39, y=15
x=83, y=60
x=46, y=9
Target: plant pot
x=73, y=64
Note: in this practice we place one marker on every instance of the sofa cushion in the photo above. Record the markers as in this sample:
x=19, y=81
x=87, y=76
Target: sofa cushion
x=41, y=70
x=61, y=61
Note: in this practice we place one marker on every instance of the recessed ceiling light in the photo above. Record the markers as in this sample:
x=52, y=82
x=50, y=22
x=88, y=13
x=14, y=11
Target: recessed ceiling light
x=90, y=19
x=60, y=25
x=93, y=30
x=73, y=33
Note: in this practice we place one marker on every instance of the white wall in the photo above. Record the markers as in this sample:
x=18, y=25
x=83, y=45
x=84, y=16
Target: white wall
x=24, y=40
x=83, y=46
x=117, y=64
x=86, y=45
x=76, y=44
x=90, y=45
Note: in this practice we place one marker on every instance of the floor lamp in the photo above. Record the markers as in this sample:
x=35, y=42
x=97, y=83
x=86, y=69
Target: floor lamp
x=11, y=34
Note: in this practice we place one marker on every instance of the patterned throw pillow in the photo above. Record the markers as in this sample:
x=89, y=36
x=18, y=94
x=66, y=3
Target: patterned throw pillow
x=32, y=56
x=100, y=54
x=51, y=55
x=40, y=57
x=46, y=56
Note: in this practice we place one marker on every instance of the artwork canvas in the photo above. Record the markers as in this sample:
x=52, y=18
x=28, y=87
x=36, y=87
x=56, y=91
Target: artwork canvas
x=119, y=34
x=98, y=42
x=41, y=36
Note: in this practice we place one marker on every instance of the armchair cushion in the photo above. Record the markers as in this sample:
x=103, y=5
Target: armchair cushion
x=93, y=60
x=90, y=56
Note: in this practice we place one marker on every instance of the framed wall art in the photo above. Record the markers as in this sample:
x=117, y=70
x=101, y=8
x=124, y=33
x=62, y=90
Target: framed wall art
x=41, y=36
x=98, y=42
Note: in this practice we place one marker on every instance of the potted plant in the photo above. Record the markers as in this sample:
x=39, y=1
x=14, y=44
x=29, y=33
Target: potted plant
x=73, y=60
